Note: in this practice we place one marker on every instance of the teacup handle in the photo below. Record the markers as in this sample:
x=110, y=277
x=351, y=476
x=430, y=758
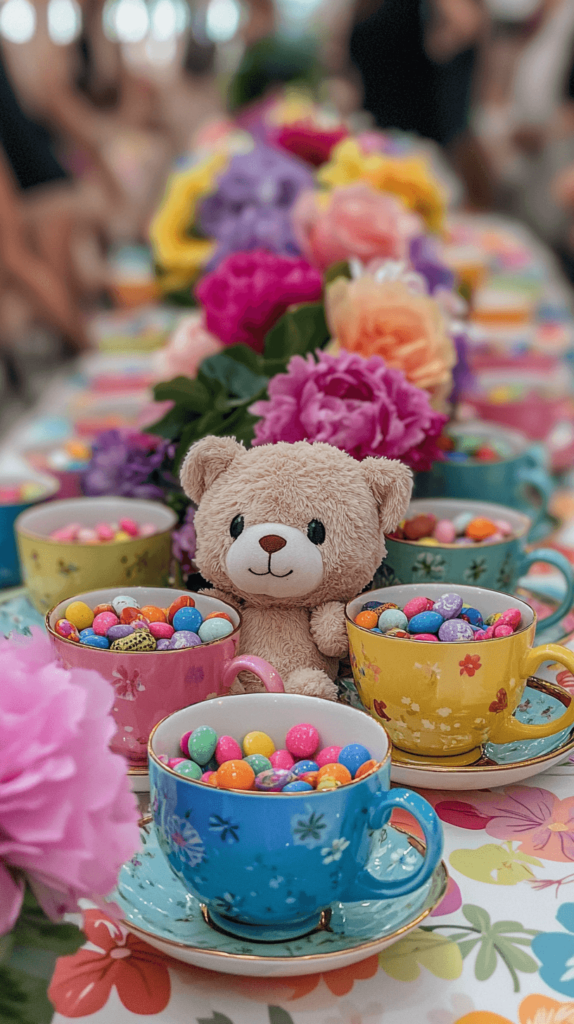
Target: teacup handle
x=560, y=562
x=269, y=676
x=508, y=728
x=365, y=885
x=539, y=479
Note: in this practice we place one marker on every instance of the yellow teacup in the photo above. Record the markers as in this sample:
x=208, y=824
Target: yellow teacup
x=443, y=700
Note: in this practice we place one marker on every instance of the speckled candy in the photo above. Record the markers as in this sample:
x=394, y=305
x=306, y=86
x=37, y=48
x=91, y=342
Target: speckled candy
x=161, y=630
x=202, y=744
x=96, y=641
x=392, y=618
x=180, y=602
x=455, y=631
x=282, y=759
x=137, y=641
x=328, y=755
x=502, y=629
x=256, y=742
x=80, y=615
x=302, y=740
x=189, y=770
x=172, y=761
x=123, y=601
x=426, y=636
x=227, y=749
x=511, y=617
x=183, y=639
x=213, y=629
x=130, y=614
x=448, y=605
x=187, y=618
x=302, y=767
x=235, y=774
x=471, y=615
x=299, y=786
x=274, y=780
x=154, y=614
x=102, y=608
x=417, y=605
x=259, y=763
x=162, y=645
x=105, y=621
x=88, y=631
x=353, y=756
x=67, y=630
x=425, y=622
x=326, y=784
x=118, y=632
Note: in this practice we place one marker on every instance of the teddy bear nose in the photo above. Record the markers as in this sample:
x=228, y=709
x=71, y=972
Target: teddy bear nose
x=272, y=543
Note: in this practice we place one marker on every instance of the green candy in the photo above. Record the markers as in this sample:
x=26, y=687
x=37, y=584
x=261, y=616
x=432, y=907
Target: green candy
x=189, y=769
x=202, y=743
x=258, y=762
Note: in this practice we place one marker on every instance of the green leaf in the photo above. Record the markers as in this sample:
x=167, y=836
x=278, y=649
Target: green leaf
x=300, y=330
x=466, y=946
x=191, y=394
x=485, y=964
x=23, y=999
x=235, y=377
x=218, y=1018
x=246, y=356
x=520, y=960
x=279, y=1016
x=33, y=929
x=340, y=269
x=477, y=917
x=507, y=926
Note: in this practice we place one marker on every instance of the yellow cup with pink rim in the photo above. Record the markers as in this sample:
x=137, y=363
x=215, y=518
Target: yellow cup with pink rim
x=149, y=685
x=441, y=701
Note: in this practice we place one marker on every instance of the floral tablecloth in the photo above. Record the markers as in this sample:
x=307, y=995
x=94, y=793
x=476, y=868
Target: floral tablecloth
x=498, y=950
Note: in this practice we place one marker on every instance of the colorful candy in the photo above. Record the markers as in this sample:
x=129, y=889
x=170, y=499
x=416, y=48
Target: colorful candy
x=302, y=740
x=465, y=528
x=101, y=533
x=446, y=620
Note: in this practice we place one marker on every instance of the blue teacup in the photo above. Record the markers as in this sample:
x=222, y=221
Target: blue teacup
x=265, y=865
x=520, y=481
x=10, y=575
x=496, y=565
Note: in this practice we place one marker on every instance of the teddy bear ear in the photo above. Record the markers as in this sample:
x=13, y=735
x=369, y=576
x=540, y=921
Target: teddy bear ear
x=205, y=461
x=391, y=483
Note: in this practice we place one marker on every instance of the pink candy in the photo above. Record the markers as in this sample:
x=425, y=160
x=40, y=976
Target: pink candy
x=66, y=534
x=511, y=617
x=282, y=759
x=184, y=741
x=104, y=531
x=444, y=532
x=328, y=755
x=161, y=630
x=417, y=605
x=426, y=636
x=501, y=629
x=129, y=526
x=206, y=776
x=103, y=622
x=302, y=740
x=175, y=760
x=227, y=749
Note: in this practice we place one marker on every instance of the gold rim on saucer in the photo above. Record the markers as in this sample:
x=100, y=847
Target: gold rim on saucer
x=484, y=764
x=418, y=845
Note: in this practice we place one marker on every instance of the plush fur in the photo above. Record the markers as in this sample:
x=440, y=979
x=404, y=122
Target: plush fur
x=288, y=533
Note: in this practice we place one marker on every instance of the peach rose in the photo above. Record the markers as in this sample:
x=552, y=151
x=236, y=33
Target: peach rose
x=387, y=319
x=353, y=221
x=186, y=348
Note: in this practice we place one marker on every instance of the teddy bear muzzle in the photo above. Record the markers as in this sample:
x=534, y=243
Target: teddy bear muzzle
x=274, y=559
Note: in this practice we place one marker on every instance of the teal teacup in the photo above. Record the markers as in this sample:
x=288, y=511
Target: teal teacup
x=496, y=565
x=520, y=480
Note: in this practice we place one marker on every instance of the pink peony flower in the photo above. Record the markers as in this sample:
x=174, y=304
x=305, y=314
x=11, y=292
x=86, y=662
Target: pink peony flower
x=353, y=221
x=249, y=291
x=308, y=140
x=359, y=405
x=186, y=348
x=68, y=820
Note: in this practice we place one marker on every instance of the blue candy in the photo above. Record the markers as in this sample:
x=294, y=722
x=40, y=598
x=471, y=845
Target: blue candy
x=353, y=756
x=304, y=766
x=425, y=622
x=297, y=787
x=370, y=605
x=189, y=619
x=96, y=641
x=472, y=614
x=86, y=632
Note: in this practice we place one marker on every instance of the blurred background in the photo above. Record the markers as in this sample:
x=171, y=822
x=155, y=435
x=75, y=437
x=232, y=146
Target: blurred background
x=99, y=101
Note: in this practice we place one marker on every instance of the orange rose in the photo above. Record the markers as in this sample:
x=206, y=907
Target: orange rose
x=386, y=319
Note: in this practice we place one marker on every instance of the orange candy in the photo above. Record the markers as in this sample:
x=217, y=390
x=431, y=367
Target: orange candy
x=218, y=615
x=366, y=767
x=368, y=619
x=129, y=615
x=212, y=780
x=335, y=771
x=180, y=602
x=235, y=775
x=481, y=528
x=153, y=614
x=103, y=608
x=311, y=777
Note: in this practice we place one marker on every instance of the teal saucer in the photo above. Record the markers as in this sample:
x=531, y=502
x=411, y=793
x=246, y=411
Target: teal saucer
x=157, y=906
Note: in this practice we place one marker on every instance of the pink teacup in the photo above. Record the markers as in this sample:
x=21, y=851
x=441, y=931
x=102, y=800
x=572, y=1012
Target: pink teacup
x=150, y=685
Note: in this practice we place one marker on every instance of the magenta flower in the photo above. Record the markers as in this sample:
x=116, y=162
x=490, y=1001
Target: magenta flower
x=359, y=405
x=249, y=291
x=68, y=820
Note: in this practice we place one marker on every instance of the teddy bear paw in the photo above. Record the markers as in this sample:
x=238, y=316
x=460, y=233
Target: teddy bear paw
x=312, y=682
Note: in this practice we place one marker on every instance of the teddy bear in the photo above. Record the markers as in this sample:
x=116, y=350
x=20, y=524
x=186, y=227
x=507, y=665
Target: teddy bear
x=288, y=534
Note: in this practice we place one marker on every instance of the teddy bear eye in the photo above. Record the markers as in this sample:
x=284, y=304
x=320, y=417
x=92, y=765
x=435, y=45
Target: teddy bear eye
x=236, y=527
x=316, y=531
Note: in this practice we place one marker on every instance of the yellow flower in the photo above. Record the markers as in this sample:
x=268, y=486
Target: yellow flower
x=180, y=256
x=409, y=177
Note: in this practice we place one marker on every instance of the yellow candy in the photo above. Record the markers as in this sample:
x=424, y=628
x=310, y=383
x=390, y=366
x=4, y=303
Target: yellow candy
x=429, y=542
x=258, y=743
x=79, y=614
x=122, y=535
x=326, y=784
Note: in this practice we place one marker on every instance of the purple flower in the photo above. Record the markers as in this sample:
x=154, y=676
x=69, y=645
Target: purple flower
x=122, y=463
x=251, y=207
x=183, y=541
x=426, y=261
x=359, y=405
x=462, y=376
